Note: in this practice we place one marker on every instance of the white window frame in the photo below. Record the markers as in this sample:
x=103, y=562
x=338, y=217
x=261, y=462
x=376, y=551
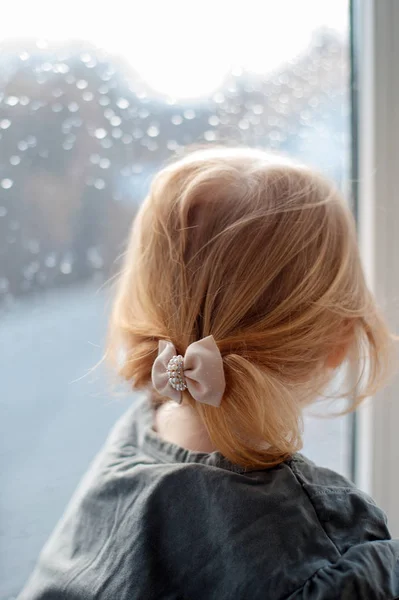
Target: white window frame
x=376, y=27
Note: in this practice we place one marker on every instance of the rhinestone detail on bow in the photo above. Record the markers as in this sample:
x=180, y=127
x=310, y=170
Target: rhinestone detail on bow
x=175, y=373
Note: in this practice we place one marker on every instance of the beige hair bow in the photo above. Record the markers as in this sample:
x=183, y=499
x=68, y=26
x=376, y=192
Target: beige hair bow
x=200, y=371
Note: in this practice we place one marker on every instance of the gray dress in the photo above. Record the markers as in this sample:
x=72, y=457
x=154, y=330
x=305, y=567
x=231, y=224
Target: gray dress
x=152, y=520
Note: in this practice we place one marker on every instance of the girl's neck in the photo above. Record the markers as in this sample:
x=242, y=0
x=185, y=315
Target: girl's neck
x=181, y=425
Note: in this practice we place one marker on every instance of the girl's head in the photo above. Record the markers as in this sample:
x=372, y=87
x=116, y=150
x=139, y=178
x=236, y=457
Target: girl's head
x=261, y=253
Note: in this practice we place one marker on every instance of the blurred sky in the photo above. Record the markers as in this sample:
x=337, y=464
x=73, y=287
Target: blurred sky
x=182, y=48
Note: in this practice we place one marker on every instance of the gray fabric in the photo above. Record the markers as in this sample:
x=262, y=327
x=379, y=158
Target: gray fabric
x=152, y=520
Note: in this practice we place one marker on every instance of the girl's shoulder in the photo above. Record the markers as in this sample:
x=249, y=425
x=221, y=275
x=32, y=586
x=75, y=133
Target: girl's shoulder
x=152, y=520
x=347, y=514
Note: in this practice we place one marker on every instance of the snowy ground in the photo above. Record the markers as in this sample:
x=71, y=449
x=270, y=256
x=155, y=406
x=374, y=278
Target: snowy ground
x=54, y=416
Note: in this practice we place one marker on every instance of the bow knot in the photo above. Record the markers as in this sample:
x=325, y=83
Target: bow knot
x=200, y=371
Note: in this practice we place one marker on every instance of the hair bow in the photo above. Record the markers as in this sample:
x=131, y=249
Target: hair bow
x=200, y=371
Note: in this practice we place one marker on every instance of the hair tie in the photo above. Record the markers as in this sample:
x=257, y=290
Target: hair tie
x=200, y=371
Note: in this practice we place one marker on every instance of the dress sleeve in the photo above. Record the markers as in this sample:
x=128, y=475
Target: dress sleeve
x=84, y=556
x=77, y=559
x=368, y=571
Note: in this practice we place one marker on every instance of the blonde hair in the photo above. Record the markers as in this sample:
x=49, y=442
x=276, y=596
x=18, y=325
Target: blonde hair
x=261, y=253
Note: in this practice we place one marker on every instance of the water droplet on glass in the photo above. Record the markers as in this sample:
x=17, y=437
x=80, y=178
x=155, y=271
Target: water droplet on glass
x=177, y=119
x=127, y=138
x=57, y=93
x=50, y=261
x=210, y=136
x=66, y=267
x=30, y=271
x=36, y=104
x=254, y=119
x=109, y=113
x=243, y=124
x=153, y=131
x=117, y=133
x=314, y=102
x=85, y=57
x=94, y=159
x=144, y=113
x=47, y=66
x=105, y=163
x=94, y=257
x=189, y=114
x=73, y=107
x=219, y=98
x=172, y=145
x=99, y=184
x=57, y=107
x=6, y=184
x=213, y=120
x=5, y=123
x=100, y=133
x=122, y=103
x=115, y=121
x=71, y=138
x=104, y=101
x=12, y=100
x=151, y=145
x=33, y=246
x=276, y=136
x=24, y=56
x=31, y=141
x=87, y=96
x=24, y=100
x=257, y=109
x=91, y=64
x=81, y=84
x=106, y=143
x=62, y=68
x=3, y=211
x=137, y=134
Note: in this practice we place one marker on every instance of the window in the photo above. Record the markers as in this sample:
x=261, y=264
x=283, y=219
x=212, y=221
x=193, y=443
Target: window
x=92, y=102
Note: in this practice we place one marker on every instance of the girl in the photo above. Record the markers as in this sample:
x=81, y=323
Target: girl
x=241, y=296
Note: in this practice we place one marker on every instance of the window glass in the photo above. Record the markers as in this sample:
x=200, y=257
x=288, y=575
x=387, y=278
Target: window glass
x=92, y=102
